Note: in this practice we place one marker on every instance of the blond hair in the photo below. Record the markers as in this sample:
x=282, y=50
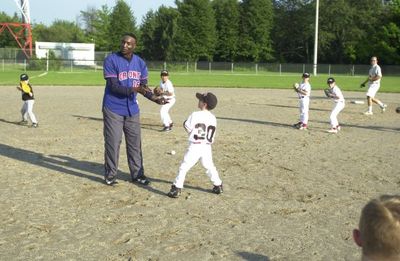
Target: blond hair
x=380, y=227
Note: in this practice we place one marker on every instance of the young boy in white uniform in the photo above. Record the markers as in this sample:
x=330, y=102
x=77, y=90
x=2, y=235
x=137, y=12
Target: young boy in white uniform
x=374, y=83
x=337, y=96
x=303, y=91
x=169, y=94
x=201, y=126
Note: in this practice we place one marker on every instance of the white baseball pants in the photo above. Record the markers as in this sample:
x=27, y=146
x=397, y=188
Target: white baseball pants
x=164, y=112
x=192, y=156
x=373, y=88
x=27, y=110
x=335, y=112
x=304, y=108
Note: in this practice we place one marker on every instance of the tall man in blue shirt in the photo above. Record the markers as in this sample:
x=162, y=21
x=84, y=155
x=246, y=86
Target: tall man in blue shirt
x=126, y=75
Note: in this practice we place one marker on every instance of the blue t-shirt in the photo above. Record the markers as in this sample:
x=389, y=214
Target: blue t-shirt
x=129, y=74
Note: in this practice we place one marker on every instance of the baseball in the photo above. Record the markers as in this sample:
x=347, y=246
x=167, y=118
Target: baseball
x=173, y=152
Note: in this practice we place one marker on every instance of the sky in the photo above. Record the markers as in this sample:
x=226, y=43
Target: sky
x=47, y=11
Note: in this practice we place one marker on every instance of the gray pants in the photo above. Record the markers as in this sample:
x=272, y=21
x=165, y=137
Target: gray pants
x=114, y=126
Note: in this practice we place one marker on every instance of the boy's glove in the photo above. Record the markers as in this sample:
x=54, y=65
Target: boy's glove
x=328, y=93
x=362, y=85
x=158, y=91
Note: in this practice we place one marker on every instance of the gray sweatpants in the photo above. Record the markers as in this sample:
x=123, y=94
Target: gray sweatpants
x=114, y=126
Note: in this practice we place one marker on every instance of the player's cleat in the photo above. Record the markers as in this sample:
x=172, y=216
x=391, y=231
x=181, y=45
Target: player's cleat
x=368, y=113
x=174, y=192
x=383, y=107
x=35, y=125
x=218, y=189
x=297, y=125
x=110, y=180
x=303, y=127
x=23, y=122
x=333, y=130
x=142, y=180
x=166, y=129
x=171, y=125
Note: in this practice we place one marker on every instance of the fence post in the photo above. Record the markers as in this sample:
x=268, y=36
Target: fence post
x=3, y=64
x=304, y=68
x=47, y=61
x=280, y=69
x=165, y=65
x=231, y=67
x=24, y=65
x=329, y=70
x=187, y=67
x=353, y=70
x=256, y=68
x=209, y=67
x=195, y=66
x=71, y=64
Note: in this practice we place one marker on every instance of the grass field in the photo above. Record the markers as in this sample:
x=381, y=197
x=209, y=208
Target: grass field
x=202, y=79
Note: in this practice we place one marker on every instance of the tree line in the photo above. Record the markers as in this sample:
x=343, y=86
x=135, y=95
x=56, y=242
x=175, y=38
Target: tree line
x=350, y=31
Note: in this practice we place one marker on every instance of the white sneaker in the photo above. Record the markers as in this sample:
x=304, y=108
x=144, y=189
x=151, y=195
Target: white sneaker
x=338, y=128
x=333, y=130
x=368, y=113
x=383, y=107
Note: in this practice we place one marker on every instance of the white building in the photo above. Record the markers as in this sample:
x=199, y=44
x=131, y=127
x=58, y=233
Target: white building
x=79, y=53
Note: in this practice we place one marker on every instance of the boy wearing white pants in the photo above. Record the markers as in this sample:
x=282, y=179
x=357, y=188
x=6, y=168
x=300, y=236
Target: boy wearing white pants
x=201, y=126
x=169, y=94
x=337, y=96
x=303, y=92
x=29, y=99
x=374, y=83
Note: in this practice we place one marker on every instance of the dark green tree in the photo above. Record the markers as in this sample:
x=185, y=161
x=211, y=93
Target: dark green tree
x=227, y=17
x=147, y=35
x=195, y=37
x=164, y=33
x=387, y=39
x=97, y=24
x=6, y=38
x=121, y=21
x=60, y=31
x=255, y=30
x=293, y=31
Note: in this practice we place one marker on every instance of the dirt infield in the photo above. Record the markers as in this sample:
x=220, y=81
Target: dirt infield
x=289, y=194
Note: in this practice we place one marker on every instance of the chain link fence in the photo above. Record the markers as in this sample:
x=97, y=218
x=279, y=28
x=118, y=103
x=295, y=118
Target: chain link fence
x=14, y=59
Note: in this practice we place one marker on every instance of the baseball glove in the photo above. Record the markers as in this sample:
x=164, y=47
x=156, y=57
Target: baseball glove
x=328, y=93
x=362, y=85
x=158, y=91
x=296, y=87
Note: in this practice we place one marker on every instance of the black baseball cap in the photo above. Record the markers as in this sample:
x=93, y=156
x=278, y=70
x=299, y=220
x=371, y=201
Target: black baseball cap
x=24, y=77
x=164, y=72
x=306, y=75
x=330, y=80
x=208, y=98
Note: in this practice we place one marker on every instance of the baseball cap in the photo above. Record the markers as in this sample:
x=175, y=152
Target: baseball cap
x=330, y=80
x=306, y=75
x=164, y=72
x=208, y=98
x=24, y=77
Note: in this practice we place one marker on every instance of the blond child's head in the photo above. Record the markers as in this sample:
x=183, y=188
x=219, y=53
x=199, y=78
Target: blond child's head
x=379, y=229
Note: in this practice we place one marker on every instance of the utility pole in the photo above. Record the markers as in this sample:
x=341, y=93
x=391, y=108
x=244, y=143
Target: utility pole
x=316, y=39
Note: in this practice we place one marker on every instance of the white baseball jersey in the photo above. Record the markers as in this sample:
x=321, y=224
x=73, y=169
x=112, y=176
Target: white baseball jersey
x=167, y=87
x=375, y=71
x=306, y=87
x=338, y=93
x=201, y=126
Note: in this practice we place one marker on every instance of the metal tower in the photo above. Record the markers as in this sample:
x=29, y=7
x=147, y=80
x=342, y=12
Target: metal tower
x=22, y=32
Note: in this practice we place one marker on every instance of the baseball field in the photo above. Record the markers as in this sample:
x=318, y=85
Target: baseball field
x=289, y=194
